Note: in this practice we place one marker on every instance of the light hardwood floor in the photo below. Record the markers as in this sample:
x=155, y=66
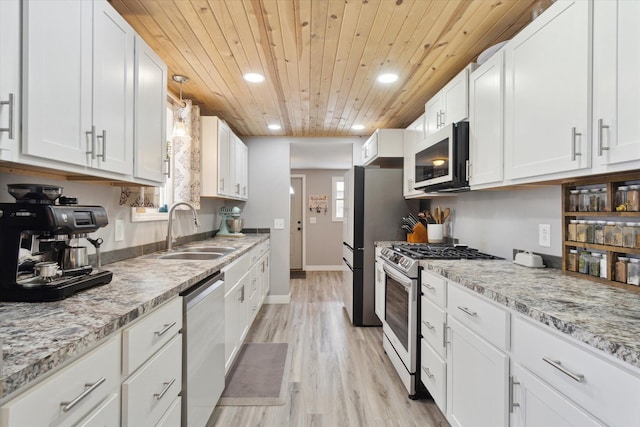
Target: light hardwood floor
x=340, y=375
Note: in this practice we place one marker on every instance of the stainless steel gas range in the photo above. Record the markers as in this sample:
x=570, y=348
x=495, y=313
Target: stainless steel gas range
x=401, y=323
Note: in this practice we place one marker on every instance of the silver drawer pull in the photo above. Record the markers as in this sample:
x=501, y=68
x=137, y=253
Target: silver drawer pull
x=10, y=103
x=428, y=286
x=429, y=325
x=67, y=406
x=558, y=365
x=166, y=388
x=428, y=372
x=469, y=312
x=165, y=329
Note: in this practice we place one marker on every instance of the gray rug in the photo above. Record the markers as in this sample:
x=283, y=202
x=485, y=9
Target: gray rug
x=259, y=377
x=297, y=274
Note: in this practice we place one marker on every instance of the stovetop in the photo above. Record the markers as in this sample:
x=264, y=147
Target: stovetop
x=440, y=251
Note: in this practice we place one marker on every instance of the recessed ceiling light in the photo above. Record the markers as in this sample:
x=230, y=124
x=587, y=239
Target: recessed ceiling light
x=274, y=127
x=387, y=78
x=357, y=127
x=254, y=77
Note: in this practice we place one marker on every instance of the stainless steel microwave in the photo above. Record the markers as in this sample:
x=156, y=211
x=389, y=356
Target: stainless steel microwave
x=442, y=160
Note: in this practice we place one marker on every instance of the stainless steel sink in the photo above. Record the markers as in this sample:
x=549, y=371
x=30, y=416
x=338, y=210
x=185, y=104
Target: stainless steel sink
x=194, y=256
x=217, y=249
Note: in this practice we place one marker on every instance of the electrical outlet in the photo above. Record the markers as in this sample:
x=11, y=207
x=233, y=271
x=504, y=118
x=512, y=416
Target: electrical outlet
x=544, y=235
x=119, y=231
x=312, y=220
x=278, y=224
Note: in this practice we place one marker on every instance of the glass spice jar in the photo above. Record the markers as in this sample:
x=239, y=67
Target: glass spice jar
x=621, y=198
x=574, y=198
x=621, y=269
x=572, y=260
x=633, y=272
x=572, y=230
x=617, y=234
x=636, y=245
x=633, y=198
x=598, y=232
x=583, y=203
x=629, y=235
x=609, y=229
x=594, y=264
x=585, y=232
x=604, y=200
x=583, y=262
x=594, y=200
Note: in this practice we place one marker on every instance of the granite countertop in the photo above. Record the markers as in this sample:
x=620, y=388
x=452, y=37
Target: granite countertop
x=602, y=316
x=38, y=337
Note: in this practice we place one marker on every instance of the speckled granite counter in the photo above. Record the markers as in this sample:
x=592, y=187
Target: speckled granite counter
x=603, y=316
x=38, y=337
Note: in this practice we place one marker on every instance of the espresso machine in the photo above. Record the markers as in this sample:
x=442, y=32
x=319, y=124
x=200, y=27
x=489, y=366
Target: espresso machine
x=39, y=252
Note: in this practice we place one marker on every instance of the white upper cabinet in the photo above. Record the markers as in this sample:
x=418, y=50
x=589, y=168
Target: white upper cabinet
x=450, y=104
x=486, y=120
x=150, y=114
x=383, y=146
x=9, y=78
x=80, y=111
x=225, y=160
x=547, y=110
x=616, y=92
x=413, y=134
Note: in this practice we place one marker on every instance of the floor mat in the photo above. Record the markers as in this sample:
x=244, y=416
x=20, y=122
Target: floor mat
x=259, y=377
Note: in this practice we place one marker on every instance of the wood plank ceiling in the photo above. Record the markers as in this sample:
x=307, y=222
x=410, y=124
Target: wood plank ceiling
x=320, y=57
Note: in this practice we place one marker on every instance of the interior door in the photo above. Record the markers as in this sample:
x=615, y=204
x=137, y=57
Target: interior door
x=296, y=224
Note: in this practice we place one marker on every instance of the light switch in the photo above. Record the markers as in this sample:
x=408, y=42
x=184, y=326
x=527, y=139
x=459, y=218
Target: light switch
x=278, y=224
x=312, y=220
x=119, y=231
x=544, y=235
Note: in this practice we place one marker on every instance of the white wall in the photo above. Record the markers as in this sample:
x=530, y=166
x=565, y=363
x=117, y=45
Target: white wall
x=269, y=199
x=135, y=234
x=499, y=221
x=324, y=238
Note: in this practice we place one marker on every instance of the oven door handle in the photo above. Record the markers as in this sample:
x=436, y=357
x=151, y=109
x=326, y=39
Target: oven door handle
x=403, y=280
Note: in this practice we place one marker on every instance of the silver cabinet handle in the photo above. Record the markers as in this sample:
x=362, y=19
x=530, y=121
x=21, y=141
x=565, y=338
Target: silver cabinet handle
x=466, y=310
x=467, y=170
x=442, y=118
x=512, y=404
x=11, y=105
x=241, y=298
x=168, y=162
x=67, y=406
x=237, y=188
x=445, y=341
x=558, y=365
x=574, y=145
x=221, y=183
x=438, y=119
x=92, y=142
x=166, y=388
x=429, y=325
x=428, y=286
x=103, y=137
x=601, y=128
x=428, y=372
x=164, y=330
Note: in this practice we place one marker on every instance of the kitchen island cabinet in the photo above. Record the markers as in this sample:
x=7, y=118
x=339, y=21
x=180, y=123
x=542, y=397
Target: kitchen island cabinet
x=547, y=75
x=9, y=78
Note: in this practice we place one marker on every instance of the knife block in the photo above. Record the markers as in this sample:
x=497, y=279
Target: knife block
x=419, y=234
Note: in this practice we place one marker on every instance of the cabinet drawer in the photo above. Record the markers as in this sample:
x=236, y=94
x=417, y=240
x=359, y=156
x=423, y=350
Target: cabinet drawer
x=434, y=288
x=148, y=393
x=150, y=333
x=484, y=318
x=433, y=323
x=433, y=375
x=43, y=404
x=173, y=416
x=235, y=271
x=106, y=414
x=605, y=390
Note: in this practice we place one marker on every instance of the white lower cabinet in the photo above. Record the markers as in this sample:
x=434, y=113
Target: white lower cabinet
x=535, y=404
x=379, y=290
x=434, y=375
x=172, y=418
x=477, y=380
x=72, y=394
x=106, y=414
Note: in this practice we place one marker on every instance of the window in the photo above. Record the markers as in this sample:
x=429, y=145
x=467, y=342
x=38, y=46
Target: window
x=337, y=184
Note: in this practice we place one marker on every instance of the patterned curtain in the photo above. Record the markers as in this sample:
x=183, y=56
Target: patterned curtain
x=185, y=159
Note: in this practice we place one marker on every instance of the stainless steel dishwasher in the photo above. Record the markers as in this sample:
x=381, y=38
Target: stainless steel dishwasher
x=202, y=350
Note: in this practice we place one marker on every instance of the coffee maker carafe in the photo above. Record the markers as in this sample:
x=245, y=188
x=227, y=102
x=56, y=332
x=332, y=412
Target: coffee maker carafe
x=39, y=250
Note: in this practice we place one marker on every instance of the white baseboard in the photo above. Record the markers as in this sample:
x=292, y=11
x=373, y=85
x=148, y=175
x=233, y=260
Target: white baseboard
x=323, y=267
x=277, y=299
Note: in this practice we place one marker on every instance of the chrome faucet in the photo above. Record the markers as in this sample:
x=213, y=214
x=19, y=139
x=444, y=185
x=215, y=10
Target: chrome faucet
x=170, y=225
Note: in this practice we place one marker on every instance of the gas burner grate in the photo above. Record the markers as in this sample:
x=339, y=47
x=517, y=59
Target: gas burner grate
x=440, y=251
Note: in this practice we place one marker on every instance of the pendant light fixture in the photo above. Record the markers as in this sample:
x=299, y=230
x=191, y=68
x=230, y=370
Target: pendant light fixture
x=179, y=128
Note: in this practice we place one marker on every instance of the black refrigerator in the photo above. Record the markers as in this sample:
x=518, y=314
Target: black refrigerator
x=374, y=207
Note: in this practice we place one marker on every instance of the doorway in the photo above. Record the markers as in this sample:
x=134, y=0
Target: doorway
x=296, y=243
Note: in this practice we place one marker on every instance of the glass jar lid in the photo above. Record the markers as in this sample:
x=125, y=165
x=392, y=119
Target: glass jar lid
x=634, y=260
x=623, y=259
x=574, y=191
x=623, y=188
